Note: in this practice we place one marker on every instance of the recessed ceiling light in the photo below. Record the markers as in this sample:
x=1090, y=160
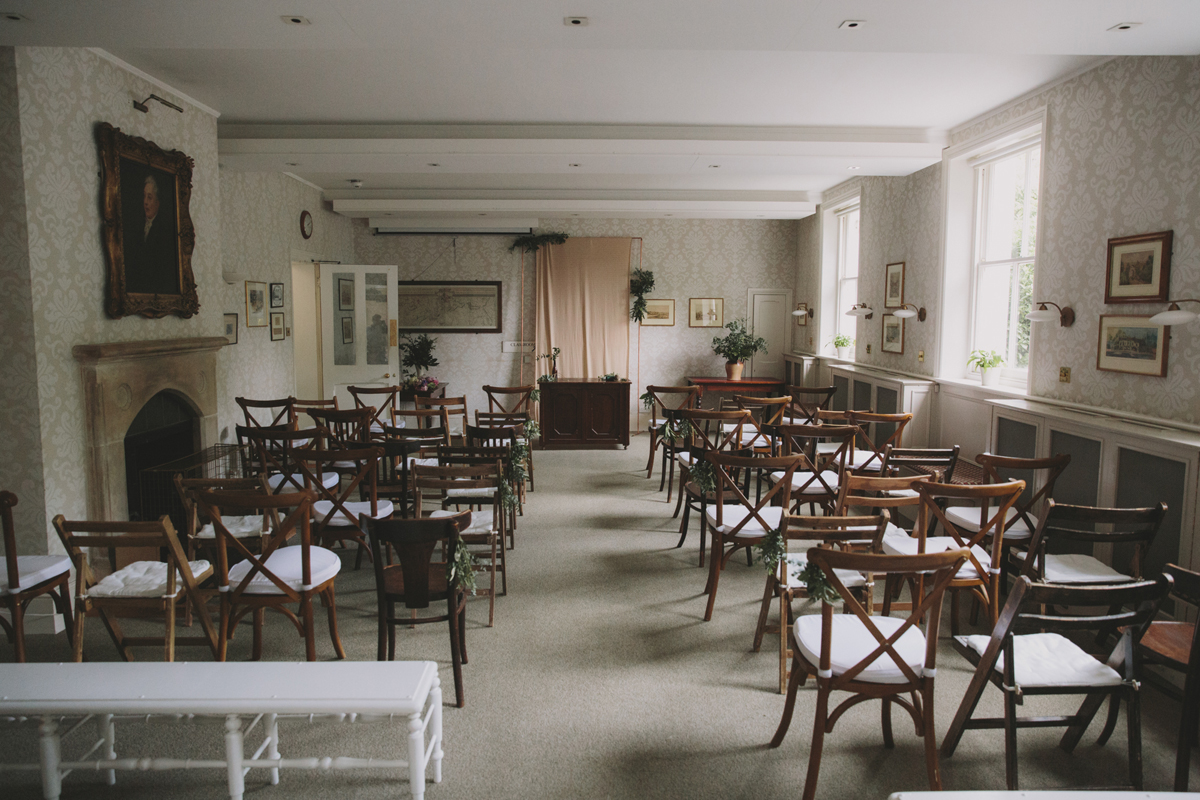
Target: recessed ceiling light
x=575, y=22
x=483, y=215
x=574, y=165
x=668, y=215
x=574, y=215
x=355, y=182
x=292, y=163
x=295, y=19
x=433, y=164
x=714, y=166
x=853, y=167
x=1125, y=26
x=852, y=24
x=13, y=16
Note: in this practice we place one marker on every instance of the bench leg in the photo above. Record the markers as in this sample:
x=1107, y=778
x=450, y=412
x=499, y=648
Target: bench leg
x=273, y=744
x=435, y=727
x=416, y=756
x=234, y=755
x=108, y=732
x=51, y=757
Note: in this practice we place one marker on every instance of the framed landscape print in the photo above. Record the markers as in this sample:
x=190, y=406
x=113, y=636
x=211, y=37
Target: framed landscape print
x=277, y=326
x=1139, y=268
x=347, y=330
x=802, y=322
x=659, y=312
x=893, y=286
x=893, y=334
x=706, y=312
x=345, y=294
x=231, y=328
x=256, y=304
x=276, y=295
x=1132, y=344
x=450, y=306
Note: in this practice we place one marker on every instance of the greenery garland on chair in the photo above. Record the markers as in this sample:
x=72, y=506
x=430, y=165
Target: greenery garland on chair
x=774, y=550
x=532, y=242
x=462, y=568
x=641, y=283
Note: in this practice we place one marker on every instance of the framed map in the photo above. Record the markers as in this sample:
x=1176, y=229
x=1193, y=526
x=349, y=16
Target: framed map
x=449, y=306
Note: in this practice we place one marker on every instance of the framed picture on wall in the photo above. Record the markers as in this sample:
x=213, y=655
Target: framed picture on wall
x=276, y=295
x=802, y=320
x=893, y=334
x=1132, y=344
x=347, y=330
x=706, y=312
x=893, y=286
x=1139, y=268
x=231, y=328
x=345, y=294
x=256, y=304
x=659, y=312
x=277, y=326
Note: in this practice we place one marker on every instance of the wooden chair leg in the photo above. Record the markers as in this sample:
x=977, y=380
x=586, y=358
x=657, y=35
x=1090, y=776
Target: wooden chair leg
x=1110, y=724
x=455, y=619
x=650, y=461
x=1188, y=723
x=257, y=647
x=77, y=646
x=381, y=651
x=1010, y=740
x=17, y=613
x=327, y=597
x=169, y=631
x=714, y=576
x=931, y=748
x=765, y=609
x=1087, y=710
x=789, y=705
x=684, y=477
x=818, y=743
x=306, y=616
x=1133, y=716
x=885, y=719
x=118, y=637
x=62, y=600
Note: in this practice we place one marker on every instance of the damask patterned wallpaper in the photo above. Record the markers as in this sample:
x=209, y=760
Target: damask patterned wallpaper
x=808, y=283
x=1122, y=157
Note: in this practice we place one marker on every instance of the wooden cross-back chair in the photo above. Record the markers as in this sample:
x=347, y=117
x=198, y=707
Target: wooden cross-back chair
x=268, y=413
x=768, y=414
x=1066, y=527
x=936, y=462
x=742, y=524
x=506, y=438
x=902, y=662
x=416, y=581
x=138, y=587
x=806, y=402
x=274, y=451
x=335, y=515
x=868, y=455
x=27, y=577
x=302, y=406
x=457, y=455
x=394, y=481
x=485, y=530
x=663, y=399
x=816, y=481
x=276, y=576
x=980, y=574
x=431, y=425
x=515, y=420
x=785, y=582
x=199, y=531
x=509, y=399
x=456, y=413
x=1032, y=651
x=347, y=427
x=706, y=432
x=382, y=402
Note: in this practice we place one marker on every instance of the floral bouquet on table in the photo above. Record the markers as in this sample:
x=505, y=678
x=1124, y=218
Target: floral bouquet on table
x=419, y=383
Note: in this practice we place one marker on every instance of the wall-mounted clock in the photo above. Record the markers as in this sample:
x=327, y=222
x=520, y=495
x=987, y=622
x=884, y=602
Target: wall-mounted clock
x=306, y=224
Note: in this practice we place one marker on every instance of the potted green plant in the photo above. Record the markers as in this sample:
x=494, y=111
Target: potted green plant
x=416, y=352
x=842, y=343
x=986, y=363
x=735, y=348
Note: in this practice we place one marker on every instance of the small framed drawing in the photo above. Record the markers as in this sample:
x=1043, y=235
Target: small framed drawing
x=345, y=294
x=1139, y=268
x=231, y=328
x=347, y=330
x=893, y=334
x=893, y=290
x=706, y=312
x=256, y=304
x=276, y=295
x=802, y=320
x=1132, y=344
x=276, y=326
x=659, y=312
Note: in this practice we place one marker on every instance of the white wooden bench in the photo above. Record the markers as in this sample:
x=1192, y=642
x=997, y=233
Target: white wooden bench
x=59, y=695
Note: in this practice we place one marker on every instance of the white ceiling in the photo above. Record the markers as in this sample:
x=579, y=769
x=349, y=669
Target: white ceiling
x=668, y=107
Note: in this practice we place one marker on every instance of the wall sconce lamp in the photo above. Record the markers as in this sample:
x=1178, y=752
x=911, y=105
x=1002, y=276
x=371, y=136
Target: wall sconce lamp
x=1174, y=315
x=909, y=310
x=1065, y=314
x=145, y=109
x=800, y=312
x=861, y=310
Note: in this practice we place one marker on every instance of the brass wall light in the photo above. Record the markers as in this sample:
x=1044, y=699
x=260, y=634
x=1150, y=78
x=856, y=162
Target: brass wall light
x=1065, y=314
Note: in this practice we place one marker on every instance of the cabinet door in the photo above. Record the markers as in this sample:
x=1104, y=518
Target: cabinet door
x=600, y=421
x=564, y=418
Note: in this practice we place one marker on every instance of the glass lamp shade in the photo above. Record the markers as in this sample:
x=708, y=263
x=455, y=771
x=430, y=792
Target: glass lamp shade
x=904, y=313
x=1043, y=315
x=799, y=312
x=1173, y=316
x=859, y=311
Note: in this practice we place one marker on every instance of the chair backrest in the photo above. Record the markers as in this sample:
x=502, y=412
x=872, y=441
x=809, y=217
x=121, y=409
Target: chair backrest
x=491, y=437
x=187, y=488
x=502, y=419
x=431, y=424
x=717, y=430
x=867, y=491
x=802, y=440
x=662, y=398
x=274, y=452
x=479, y=478
x=268, y=413
x=1036, y=492
x=837, y=530
x=874, y=428
x=994, y=498
x=350, y=427
x=364, y=481
x=808, y=400
x=509, y=399
x=1062, y=524
x=940, y=569
x=765, y=410
x=380, y=399
x=938, y=462
x=455, y=407
x=414, y=543
x=726, y=469
x=302, y=406
x=7, y=501
x=459, y=454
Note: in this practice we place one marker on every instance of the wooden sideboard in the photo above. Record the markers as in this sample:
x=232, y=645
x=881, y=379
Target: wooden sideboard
x=576, y=412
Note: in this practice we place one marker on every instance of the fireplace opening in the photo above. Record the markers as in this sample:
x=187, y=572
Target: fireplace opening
x=165, y=430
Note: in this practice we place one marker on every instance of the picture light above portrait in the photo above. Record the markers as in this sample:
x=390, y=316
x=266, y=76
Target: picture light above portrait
x=145, y=109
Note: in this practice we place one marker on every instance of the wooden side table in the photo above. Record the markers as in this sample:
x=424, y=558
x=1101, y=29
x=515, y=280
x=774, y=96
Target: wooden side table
x=577, y=412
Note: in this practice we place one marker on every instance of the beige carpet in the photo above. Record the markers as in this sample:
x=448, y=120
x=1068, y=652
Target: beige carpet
x=600, y=679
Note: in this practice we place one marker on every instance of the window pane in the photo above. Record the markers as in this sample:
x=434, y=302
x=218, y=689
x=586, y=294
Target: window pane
x=1011, y=207
x=992, y=310
x=850, y=243
x=847, y=296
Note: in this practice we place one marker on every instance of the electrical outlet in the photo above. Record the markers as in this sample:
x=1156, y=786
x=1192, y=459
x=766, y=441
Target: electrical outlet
x=921, y=356
x=1064, y=374
x=527, y=359
x=868, y=349
x=810, y=340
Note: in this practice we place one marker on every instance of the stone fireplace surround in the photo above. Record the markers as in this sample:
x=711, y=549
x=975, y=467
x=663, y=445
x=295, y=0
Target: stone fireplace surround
x=118, y=379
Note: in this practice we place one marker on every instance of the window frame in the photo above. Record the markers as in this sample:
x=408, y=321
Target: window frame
x=845, y=324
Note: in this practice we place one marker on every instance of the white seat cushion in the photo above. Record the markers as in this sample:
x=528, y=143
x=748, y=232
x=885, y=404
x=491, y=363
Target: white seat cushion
x=828, y=447
x=480, y=523
x=861, y=457
x=1048, y=659
x=238, y=527
x=322, y=509
x=421, y=462
x=32, y=570
x=733, y=515
x=851, y=642
x=803, y=476
x=798, y=561
x=286, y=563
x=684, y=458
x=904, y=545
x=328, y=480
x=144, y=579
x=485, y=493
x=967, y=518
x=1076, y=568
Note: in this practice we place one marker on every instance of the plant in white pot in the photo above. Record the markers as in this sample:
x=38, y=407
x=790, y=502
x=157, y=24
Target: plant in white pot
x=738, y=346
x=987, y=364
x=842, y=343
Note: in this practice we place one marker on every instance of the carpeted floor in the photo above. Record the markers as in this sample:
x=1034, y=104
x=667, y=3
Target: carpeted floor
x=600, y=679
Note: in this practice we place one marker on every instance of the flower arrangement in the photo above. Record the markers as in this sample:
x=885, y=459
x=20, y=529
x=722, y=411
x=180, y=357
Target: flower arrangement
x=419, y=383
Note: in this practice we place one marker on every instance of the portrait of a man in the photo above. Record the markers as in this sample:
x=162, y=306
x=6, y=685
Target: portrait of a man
x=150, y=229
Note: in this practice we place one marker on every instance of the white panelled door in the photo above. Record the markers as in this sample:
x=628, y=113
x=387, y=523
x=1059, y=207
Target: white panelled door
x=770, y=318
x=358, y=328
